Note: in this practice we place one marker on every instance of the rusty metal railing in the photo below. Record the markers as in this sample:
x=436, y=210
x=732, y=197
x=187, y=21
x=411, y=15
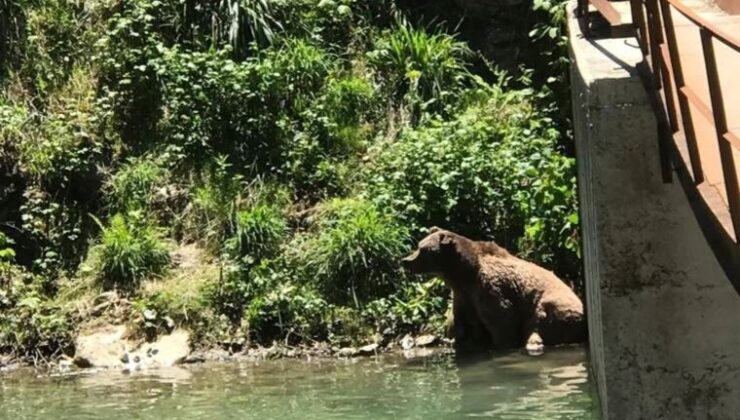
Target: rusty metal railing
x=682, y=99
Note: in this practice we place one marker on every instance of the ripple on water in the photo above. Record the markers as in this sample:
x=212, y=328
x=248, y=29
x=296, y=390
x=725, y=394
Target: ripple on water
x=554, y=386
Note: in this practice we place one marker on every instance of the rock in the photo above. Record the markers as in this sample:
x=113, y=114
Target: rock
x=65, y=364
x=100, y=308
x=407, y=342
x=368, y=350
x=105, y=297
x=150, y=315
x=169, y=323
x=321, y=349
x=272, y=352
x=347, y=352
x=426, y=340
x=219, y=355
x=417, y=353
x=193, y=358
x=107, y=347
x=168, y=350
x=101, y=347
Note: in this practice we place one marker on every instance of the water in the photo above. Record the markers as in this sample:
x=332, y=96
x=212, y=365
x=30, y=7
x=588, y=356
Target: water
x=554, y=386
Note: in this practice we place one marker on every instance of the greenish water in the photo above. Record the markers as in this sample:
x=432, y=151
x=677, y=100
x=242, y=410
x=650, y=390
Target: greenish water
x=510, y=386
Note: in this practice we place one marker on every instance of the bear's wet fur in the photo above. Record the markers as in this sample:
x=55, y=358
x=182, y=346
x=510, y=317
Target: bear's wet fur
x=499, y=301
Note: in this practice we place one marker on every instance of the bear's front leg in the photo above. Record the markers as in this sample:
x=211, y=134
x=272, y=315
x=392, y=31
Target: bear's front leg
x=534, y=345
x=469, y=332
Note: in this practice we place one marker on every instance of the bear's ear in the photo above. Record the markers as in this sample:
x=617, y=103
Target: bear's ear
x=446, y=239
x=434, y=229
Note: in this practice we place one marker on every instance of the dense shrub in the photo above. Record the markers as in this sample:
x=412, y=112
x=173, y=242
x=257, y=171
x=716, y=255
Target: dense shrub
x=417, y=307
x=39, y=42
x=131, y=249
x=331, y=134
x=126, y=53
x=56, y=157
x=286, y=311
x=214, y=202
x=32, y=327
x=7, y=257
x=353, y=253
x=350, y=101
x=213, y=105
x=493, y=171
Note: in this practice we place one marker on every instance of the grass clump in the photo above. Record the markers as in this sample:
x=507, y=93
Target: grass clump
x=353, y=254
x=259, y=231
x=131, y=249
x=428, y=69
x=133, y=186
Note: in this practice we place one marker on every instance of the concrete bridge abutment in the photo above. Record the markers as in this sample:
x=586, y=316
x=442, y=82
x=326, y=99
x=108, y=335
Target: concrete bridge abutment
x=664, y=318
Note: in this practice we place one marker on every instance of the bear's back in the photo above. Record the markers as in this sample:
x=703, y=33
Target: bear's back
x=530, y=281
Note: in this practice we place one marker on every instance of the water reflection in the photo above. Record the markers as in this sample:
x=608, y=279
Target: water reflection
x=508, y=386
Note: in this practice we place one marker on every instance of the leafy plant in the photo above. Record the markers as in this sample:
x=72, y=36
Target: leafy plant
x=493, y=171
x=32, y=326
x=36, y=328
x=350, y=101
x=6, y=251
x=7, y=256
x=288, y=312
x=415, y=308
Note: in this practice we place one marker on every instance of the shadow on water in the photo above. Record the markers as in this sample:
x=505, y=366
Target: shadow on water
x=416, y=385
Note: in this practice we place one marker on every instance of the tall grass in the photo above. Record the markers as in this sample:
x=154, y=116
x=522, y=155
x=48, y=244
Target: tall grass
x=258, y=233
x=131, y=250
x=353, y=256
x=248, y=21
x=431, y=66
x=132, y=187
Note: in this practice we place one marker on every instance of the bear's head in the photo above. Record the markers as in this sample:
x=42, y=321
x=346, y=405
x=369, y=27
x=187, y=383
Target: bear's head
x=433, y=254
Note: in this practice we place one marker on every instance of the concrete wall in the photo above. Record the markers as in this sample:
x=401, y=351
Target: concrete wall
x=664, y=319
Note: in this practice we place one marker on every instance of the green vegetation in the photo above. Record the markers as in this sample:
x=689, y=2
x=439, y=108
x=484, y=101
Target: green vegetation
x=254, y=170
x=130, y=249
x=352, y=252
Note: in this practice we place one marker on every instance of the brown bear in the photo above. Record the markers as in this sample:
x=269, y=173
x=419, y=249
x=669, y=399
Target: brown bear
x=498, y=300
